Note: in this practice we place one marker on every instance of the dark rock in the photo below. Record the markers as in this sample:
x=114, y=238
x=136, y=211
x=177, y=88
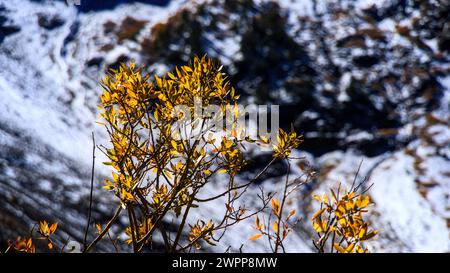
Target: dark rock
x=257, y=163
x=96, y=5
x=274, y=57
x=357, y=40
x=366, y=61
x=96, y=61
x=50, y=22
x=377, y=146
x=373, y=12
x=115, y=65
x=444, y=39
x=109, y=27
x=6, y=28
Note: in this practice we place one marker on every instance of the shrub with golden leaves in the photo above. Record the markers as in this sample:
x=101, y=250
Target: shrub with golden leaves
x=159, y=176
x=340, y=222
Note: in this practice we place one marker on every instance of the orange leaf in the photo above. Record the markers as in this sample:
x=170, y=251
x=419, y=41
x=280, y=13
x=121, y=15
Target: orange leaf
x=318, y=213
x=255, y=237
x=291, y=214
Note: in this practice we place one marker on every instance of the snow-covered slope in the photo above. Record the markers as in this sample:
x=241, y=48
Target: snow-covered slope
x=48, y=98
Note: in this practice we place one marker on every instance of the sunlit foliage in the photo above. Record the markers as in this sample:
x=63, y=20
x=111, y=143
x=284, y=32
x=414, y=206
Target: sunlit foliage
x=340, y=222
x=157, y=174
x=161, y=169
x=28, y=244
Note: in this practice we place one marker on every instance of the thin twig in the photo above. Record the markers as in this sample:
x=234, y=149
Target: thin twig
x=356, y=176
x=91, y=193
x=107, y=227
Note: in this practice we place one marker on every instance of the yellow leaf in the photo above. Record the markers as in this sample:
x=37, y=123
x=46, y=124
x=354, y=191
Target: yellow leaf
x=291, y=214
x=318, y=213
x=341, y=209
x=319, y=225
x=171, y=76
x=350, y=248
x=325, y=198
x=276, y=206
x=351, y=195
x=162, y=97
x=369, y=235
x=365, y=202
x=174, y=144
x=275, y=226
x=315, y=196
x=115, y=177
x=99, y=228
x=167, y=173
x=258, y=224
x=339, y=248
x=362, y=231
x=342, y=222
x=53, y=228
x=349, y=205
x=43, y=227
x=109, y=186
x=187, y=68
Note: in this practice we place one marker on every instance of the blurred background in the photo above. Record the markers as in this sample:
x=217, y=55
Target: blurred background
x=364, y=81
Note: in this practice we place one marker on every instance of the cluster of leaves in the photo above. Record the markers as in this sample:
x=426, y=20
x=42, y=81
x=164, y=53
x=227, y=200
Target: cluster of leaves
x=28, y=245
x=340, y=223
x=285, y=143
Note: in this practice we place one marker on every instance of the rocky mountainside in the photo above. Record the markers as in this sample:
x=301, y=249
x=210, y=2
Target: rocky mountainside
x=362, y=80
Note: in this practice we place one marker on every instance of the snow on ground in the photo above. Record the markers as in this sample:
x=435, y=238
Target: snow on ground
x=394, y=181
